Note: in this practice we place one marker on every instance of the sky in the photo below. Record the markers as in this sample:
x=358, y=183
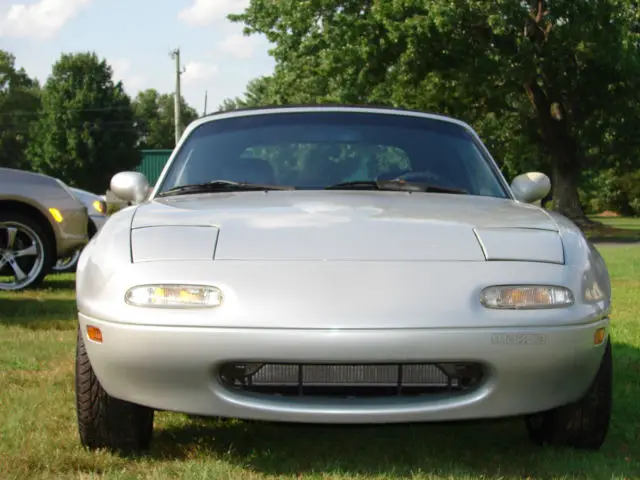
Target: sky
x=136, y=38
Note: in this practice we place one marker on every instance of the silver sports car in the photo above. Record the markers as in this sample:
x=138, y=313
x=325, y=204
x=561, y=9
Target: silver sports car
x=340, y=265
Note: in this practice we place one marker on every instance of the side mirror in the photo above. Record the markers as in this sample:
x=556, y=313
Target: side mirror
x=130, y=186
x=531, y=187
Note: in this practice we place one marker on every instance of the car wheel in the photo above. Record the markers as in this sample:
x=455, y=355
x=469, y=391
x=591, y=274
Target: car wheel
x=68, y=264
x=582, y=424
x=105, y=421
x=26, y=253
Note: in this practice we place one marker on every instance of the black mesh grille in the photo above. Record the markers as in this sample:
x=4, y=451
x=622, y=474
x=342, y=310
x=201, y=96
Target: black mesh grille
x=350, y=380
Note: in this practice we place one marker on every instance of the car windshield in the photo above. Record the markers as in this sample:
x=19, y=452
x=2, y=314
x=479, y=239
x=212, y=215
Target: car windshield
x=318, y=150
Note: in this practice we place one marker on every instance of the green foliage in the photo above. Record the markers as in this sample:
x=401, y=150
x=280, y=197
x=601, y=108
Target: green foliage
x=546, y=84
x=86, y=131
x=611, y=190
x=260, y=92
x=19, y=104
x=155, y=114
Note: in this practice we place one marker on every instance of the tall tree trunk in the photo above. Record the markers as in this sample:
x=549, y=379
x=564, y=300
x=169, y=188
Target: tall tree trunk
x=565, y=181
x=565, y=156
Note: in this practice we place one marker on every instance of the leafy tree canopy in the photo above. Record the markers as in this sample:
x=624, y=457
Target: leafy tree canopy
x=555, y=84
x=19, y=104
x=260, y=91
x=155, y=114
x=86, y=129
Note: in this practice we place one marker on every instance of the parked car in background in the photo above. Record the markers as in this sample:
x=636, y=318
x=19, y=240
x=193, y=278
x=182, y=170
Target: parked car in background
x=343, y=265
x=41, y=220
x=97, y=208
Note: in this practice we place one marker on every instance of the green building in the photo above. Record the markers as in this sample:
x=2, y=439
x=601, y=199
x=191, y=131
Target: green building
x=153, y=161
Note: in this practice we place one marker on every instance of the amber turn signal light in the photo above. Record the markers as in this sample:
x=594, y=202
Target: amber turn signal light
x=598, y=336
x=94, y=333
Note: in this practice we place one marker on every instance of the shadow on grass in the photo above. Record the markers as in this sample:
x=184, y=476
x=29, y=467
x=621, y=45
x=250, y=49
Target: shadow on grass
x=51, y=305
x=493, y=449
x=54, y=282
x=38, y=313
x=58, y=281
x=600, y=232
x=626, y=226
x=63, y=283
x=615, y=240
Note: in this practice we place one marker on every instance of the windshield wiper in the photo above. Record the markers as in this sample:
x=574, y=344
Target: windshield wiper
x=220, y=186
x=394, y=185
x=372, y=185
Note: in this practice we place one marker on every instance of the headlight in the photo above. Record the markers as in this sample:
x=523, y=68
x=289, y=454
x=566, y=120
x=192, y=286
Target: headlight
x=173, y=296
x=99, y=206
x=526, y=297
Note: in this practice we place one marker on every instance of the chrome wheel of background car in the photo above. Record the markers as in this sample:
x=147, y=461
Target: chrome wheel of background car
x=67, y=264
x=23, y=253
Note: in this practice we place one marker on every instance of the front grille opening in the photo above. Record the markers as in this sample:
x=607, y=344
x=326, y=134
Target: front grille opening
x=365, y=380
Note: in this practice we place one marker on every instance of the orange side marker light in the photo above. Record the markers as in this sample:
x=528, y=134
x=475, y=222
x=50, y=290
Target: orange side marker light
x=598, y=336
x=94, y=334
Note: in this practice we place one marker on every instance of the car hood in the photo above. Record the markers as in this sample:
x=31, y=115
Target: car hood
x=340, y=225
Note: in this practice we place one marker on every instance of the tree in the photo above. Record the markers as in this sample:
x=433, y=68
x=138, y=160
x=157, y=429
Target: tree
x=557, y=82
x=19, y=104
x=155, y=114
x=260, y=92
x=86, y=131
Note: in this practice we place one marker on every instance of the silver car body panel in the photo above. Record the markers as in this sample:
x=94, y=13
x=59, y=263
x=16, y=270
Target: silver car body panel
x=530, y=244
x=333, y=225
x=43, y=192
x=99, y=221
x=173, y=368
x=87, y=198
x=342, y=277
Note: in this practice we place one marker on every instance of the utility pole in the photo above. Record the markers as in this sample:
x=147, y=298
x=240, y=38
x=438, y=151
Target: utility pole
x=175, y=54
x=205, y=102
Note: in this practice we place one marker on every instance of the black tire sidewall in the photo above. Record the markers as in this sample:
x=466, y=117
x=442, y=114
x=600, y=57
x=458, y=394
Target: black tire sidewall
x=104, y=421
x=556, y=427
x=47, y=247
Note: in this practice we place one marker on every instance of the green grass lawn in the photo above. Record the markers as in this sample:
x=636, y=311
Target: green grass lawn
x=38, y=436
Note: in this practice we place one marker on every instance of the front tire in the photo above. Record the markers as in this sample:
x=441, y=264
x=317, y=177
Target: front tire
x=105, y=421
x=582, y=424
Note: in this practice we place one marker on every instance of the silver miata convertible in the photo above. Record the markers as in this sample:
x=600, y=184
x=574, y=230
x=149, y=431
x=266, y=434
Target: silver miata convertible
x=342, y=265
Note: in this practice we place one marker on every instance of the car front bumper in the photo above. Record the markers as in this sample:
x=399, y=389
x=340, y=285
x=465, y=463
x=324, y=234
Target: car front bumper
x=527, y=370
x=98, y=222
x=72, y=232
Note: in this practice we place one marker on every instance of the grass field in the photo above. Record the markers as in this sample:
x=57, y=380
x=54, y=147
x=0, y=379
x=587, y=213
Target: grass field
x=38, y=436
x=615, y=229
